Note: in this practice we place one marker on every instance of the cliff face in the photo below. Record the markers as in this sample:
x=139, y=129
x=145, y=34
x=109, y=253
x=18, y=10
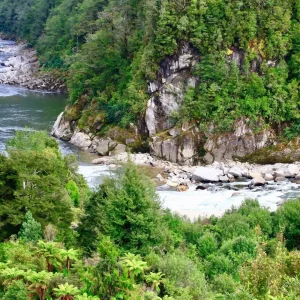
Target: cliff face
x=184, y=144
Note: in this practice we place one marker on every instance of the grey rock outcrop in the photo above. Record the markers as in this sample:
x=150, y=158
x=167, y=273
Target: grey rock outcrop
x=242, y=141
x=166, y=93
x=68, y=131
x=179, y=146
x=62, y=129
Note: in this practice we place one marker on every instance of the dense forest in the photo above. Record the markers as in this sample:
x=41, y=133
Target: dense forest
x=59, y=240
x=111, y=48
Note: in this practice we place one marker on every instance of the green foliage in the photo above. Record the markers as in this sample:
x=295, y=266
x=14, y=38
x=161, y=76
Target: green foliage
x=224, y=284
x=287, y=219
x=207, y=245
x=31, y=230
x=73, y=192
x=17, y=290
x=35, y=176
x=113, y=281
x=183, y=276
x=126, y=208
x=65, y=291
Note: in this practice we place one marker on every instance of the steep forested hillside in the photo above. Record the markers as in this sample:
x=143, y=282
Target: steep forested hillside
x=248, y=56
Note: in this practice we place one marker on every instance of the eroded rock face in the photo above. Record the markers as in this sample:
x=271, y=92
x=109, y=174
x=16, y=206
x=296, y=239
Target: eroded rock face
x=62, y=129
x=178, y=146
x=68, y=131
x=167, y=91
x=242, y=141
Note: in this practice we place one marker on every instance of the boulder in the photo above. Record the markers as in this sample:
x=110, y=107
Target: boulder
x=201, y=187
x=224, y=178
x=81, y=140
x=160, y=177
x=254, y=174
x=101, y=160
x=207, y=174
x=293, y=170
x=103, y=146
x=258, y=181
x=172, y=183
x=279, y=179
x=280, y=173
x=120, y=148
x=269, y=177
x=62, y=129
x=235, y=171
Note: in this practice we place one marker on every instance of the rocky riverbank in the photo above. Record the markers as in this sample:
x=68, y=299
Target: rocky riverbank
x=178, y=176
x=19, y=65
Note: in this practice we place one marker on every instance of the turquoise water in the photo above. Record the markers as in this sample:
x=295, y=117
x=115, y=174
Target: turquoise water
x=20, y=108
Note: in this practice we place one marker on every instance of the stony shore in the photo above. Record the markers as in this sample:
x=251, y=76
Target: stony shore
x=181, y=177
x=20, y=66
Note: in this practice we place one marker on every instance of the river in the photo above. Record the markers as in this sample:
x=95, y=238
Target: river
x=20, y=108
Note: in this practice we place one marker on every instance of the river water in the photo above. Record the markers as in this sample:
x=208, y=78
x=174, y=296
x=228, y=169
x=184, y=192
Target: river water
x=20, y=108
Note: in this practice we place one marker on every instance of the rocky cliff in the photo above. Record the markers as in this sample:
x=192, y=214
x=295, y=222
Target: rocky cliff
x=184, y=144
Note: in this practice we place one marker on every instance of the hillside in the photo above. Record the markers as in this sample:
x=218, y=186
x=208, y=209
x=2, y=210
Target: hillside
x=171, y=74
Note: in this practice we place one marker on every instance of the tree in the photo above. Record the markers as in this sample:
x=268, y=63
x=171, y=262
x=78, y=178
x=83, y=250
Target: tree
x=86, y=297
x=51, y=252
x=35, y=175
x=39, y=282
x=73, y=192
x=66, y=291
x=17, y=290
x=69, y=255
x=127, y=209
x=112, y=280
x=31, y=230
x=133, y=264
x=155, y=279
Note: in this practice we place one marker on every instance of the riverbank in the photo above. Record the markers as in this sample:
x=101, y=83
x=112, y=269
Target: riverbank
x=19, y=65
x=202, y=191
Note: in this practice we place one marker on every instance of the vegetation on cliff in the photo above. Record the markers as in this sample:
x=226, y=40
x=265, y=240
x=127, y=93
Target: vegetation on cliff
x=249, y=55
x=118, y=243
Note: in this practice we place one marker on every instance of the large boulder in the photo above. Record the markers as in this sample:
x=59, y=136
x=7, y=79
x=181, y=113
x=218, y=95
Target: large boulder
x=293, y=170
x=207, y=174
x=258, y=181
x=81, y=140
x=236, y=172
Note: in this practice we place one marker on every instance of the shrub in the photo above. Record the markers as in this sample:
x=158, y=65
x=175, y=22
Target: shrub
x=31, y=230
x=287, y=217
x=216, y=264
x=224, y=284
x=16, y=290
x=207, y=244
